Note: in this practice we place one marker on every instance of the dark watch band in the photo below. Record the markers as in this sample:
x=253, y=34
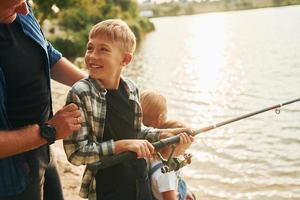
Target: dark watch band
x=48, y=132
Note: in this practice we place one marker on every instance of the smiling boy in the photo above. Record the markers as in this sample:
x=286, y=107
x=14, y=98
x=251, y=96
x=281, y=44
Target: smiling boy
x=112, y=118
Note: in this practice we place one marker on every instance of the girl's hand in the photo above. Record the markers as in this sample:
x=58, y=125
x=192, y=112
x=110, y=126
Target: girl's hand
x=185, y=142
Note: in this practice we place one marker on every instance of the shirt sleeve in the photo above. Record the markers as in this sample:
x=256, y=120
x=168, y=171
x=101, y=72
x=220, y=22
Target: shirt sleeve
x=82, y=147
x=54, y=55
x=150, y=134
x=166, y=181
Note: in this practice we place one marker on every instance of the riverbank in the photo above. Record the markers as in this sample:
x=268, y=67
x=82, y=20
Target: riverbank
x=194, y=7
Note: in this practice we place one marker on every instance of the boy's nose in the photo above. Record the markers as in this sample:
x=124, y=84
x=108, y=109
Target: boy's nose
x=93, y=56
x=22, y=9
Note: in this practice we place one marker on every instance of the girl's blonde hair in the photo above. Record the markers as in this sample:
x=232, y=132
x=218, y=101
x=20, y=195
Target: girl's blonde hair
x=172, y=124
x=115, y=30
x=154, y=106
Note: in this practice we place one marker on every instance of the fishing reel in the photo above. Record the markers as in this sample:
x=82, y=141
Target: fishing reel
x=174, y=163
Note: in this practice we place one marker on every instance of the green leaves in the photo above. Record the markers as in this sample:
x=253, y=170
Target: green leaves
x=76, y=17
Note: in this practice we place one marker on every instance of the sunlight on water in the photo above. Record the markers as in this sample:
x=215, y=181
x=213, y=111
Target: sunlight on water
x=217, y=66
x=202, y=56
x=208, y=68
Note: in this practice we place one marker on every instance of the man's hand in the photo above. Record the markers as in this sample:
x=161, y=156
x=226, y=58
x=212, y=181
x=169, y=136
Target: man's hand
x=66, y=121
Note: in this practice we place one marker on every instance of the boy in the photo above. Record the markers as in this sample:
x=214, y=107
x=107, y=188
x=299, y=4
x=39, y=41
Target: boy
x=112, y=118
x=170, y=185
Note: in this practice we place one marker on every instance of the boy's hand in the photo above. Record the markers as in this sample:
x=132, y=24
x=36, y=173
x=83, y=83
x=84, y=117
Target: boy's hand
x=66, y=120
x=143, y=148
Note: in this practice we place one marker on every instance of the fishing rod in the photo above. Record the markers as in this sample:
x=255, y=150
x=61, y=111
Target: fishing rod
x=128, y=155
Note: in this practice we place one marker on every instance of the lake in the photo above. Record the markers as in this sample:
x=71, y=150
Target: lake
x=217, y=66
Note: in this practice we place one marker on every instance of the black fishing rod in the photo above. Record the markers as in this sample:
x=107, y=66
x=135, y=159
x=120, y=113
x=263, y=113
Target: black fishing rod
x=128, y=155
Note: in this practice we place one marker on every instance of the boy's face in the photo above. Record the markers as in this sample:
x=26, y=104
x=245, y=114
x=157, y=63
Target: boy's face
x=10, y=8
x=104, y=59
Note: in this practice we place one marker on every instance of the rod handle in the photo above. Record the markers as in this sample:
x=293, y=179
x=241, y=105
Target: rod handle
x=129, y=155
x=167, y=141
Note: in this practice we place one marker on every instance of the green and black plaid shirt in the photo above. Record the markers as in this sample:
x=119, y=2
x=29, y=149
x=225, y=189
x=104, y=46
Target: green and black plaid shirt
x=82, y=147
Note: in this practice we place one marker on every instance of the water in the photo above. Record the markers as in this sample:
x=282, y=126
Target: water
x=216, y=66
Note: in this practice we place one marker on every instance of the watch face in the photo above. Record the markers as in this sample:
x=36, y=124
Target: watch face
x=48, y=132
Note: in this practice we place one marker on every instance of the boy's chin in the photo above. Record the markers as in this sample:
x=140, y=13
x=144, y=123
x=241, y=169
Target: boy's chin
x=95, y=76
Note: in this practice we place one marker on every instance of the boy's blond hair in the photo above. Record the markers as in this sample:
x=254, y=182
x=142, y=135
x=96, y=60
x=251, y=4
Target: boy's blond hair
x=115, y=30
x=154, y=105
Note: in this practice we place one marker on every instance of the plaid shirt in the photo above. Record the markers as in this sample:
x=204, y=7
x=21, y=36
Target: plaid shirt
x=83, y=146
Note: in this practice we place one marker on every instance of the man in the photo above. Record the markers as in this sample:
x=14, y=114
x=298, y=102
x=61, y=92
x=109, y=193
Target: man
x=27, y=127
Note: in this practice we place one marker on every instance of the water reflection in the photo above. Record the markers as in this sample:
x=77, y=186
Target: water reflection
x=217, y=66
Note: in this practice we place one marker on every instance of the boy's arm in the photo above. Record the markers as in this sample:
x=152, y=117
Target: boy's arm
x=150, y=134
x=82, y=146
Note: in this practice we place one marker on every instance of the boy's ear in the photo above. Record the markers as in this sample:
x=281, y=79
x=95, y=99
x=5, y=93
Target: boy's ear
x=126, y=59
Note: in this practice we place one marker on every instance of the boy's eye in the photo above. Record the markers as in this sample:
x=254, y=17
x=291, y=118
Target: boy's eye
x=104, y=49
x=89, y=48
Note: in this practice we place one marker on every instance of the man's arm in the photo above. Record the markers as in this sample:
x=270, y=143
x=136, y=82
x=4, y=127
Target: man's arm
x=66, y=73
x=20, y=140
x=65, y=121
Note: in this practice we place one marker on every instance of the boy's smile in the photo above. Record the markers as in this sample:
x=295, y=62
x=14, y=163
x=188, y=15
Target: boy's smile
x=95, y=67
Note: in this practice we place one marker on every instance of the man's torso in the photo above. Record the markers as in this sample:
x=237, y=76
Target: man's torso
x=23, y=63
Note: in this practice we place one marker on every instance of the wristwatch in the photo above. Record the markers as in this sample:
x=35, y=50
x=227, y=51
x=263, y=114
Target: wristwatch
x=48, y=132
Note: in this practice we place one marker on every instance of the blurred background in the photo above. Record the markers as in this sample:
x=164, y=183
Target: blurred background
x=213, y=60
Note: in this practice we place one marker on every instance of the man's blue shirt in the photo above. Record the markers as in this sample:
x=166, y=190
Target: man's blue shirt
x=13, y=174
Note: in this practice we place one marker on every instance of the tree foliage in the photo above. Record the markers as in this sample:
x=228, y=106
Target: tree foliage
x=43, y=9
x=76, y=17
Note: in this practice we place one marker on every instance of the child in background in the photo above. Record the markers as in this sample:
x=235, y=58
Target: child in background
x=170, y=185
x=112, y=119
